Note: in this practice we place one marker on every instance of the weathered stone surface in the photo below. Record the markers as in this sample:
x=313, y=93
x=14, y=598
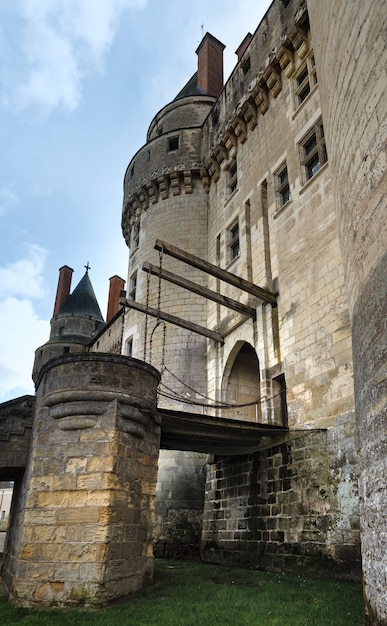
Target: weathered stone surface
x=355, y=126
x=85, y=536
x=281, y=510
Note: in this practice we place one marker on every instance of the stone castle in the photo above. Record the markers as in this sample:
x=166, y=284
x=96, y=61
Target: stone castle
x=233, y=403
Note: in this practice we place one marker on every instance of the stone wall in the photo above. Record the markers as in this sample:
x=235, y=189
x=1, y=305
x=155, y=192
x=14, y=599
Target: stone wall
x=351, y=57
x=16, y=419
x=285, y=508
x=83, y=530
x=179, y=504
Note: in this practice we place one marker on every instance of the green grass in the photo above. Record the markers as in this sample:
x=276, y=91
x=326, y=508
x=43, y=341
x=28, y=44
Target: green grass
x=195, y=594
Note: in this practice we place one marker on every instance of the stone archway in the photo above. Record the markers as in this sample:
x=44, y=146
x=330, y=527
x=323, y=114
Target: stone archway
x=241, y=383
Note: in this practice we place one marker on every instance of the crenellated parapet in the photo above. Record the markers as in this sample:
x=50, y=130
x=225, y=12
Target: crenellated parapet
x=170, y=164
x=194, y=138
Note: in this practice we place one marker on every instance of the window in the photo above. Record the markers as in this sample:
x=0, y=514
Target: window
x=233, y=235
x=135, y=236
x=173, y=144
x=313, y=151
x=218, y=249
x=133, y=286
x=233, y=176
x=305, y=80
x=282, y=185
x=246, y=66
x=129, y=347
x=66, y=350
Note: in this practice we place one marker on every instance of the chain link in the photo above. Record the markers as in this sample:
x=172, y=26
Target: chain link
x=146, y=314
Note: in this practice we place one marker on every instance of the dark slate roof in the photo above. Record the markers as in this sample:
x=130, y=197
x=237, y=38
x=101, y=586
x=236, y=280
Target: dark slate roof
x=190, y=89
x=82, y=301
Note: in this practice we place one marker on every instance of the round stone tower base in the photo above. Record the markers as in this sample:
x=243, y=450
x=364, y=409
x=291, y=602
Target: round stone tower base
x=86, y=517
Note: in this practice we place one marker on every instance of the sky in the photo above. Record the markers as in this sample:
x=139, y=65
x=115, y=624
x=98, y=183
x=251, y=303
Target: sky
x=80, y=81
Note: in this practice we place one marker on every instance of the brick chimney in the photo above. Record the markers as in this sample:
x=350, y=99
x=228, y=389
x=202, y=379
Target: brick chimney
x=63, y=288
x=117, y=284
x=242, y=47
x=210, y=65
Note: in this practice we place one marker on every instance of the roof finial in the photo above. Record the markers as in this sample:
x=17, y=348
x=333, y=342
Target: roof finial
x=202, y=29
x=87, y=266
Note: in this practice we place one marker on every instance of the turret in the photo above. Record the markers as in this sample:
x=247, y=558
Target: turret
x=77, y=318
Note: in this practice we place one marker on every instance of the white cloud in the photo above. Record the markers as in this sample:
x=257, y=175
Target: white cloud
x=22, y=331
x=24, y=278
x=57, y=43
x=8, y=200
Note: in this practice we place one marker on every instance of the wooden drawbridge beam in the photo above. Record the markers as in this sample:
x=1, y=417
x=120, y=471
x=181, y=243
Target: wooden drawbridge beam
x=201, y=291
x=216, y=271
x=166, y=317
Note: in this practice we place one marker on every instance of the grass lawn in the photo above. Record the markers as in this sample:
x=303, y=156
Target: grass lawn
x=195, y=594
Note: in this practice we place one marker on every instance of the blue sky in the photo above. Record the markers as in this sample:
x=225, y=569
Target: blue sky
x=80, y=81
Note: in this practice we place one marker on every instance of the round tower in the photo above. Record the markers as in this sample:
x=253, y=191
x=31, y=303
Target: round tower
x=165, y=198
x=350, y=61
x=76, y=319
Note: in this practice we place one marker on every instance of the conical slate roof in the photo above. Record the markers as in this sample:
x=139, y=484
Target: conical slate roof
x=191, y=88
x=82, y=301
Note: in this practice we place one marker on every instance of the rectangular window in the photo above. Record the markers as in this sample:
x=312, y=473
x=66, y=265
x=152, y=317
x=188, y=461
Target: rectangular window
x=313, y=151
x=233, y=236
x=233, y=176
x=282, y=185
x=135, y=236
x=305, y=80
x=133, y=286
x=173, y=144
x=129, y=347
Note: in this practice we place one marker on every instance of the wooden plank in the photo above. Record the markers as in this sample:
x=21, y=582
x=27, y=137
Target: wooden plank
x=177, y=321
x=201, y=291
x=216, y=271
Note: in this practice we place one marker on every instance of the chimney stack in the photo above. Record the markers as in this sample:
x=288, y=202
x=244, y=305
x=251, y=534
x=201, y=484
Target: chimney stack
x=117, y=284
x=243, y=46
x=63, y=289
x=210, y=65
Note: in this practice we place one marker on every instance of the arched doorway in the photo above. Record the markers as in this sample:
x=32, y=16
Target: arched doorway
x=241, y=383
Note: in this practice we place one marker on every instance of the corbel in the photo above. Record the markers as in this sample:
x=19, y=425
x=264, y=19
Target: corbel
x=299, y=39
x=285, y=59
x=143, y=198
x=230, y=140
x=239, y=126
x=261, y=97
x=213, y=167
x=175, y=186
x=220, y=153
x=205, y=178
x=163, y=187
x=152, y=191
x=187, y=181
x=249, y=112
x=272, y=77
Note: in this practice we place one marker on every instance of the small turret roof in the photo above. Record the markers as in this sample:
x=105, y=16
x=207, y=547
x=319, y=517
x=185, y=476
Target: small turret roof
x=191, y=88
x=82, y=301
